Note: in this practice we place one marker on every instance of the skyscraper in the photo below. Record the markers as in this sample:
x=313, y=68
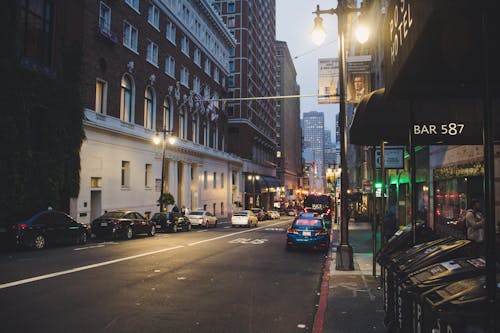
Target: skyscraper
x=314, y=125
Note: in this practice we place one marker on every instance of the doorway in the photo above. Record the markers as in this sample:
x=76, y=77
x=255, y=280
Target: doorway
x=95, y=205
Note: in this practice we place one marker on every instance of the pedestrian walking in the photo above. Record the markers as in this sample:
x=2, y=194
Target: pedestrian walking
x=474, y=221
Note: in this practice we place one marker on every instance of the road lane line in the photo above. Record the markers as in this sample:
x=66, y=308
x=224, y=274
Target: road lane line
x=88, y=247
x=83, y=268
x=235, y=233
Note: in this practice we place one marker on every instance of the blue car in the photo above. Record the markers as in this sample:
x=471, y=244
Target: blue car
x=308, y=231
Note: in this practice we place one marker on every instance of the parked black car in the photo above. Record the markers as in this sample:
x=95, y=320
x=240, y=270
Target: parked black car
x=122, y=224
x=171, y=222
x=44, y=228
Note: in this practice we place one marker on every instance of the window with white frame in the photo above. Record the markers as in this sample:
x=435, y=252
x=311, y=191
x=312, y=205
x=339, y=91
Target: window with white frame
x=196, y=129
x=215, y=137
x=231, y=66
x=182, y=124
x=149, y=108
x=197, y=56
x=206, y=92
x=125, y=174
x=231, y=7
x=126, y=100
x=184, y=76
x=222, y=143
x=208, y=67
x=196, y=85
x=104, y=17
x=205, y=180
x=216, y=75
x=231, y=22
x=154, y=16
x=222, y=180
x=206, y=131
x=130, y=36
x=170, y=66
x=101, y=96
x=215, y=180
x=152, y=53
x=185, y=45
x=133, y=3
x=148, y=176
x=232, y=52
x=230, y=81
x=171, y=31
x=167, y=114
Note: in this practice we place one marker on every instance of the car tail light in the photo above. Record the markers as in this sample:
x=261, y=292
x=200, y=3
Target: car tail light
x=115, y=222
x=292, y=231
x=305, y=210
x=328, y=211
x=20, y=226
x=322, y=232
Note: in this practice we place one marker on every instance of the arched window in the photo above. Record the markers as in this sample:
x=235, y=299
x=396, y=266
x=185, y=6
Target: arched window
x=149, y=102
x=127, y=99
x=206, y=131
x=182, y=124
x=215, y=139
x=167, y=114
x=196, y=129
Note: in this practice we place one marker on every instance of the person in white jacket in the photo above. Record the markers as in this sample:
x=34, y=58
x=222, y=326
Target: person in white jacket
x=474, y=220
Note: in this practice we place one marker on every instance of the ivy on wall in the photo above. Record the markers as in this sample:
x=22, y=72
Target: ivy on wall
x=457, y=171
x=41, y=128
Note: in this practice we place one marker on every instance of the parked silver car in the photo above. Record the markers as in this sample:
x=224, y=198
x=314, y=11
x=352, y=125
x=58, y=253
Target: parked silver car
x=202, y=218
x=244, y=218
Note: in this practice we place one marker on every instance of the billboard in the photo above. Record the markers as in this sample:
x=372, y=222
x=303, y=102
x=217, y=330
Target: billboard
x=358, y=77
x=328, y=81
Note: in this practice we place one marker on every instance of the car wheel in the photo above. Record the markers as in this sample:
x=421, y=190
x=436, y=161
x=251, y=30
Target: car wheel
x=189, y=227
x=39, y=242
x=174, y=228
x=207, y=224
x=152, y=231
x=215, y=225
x=130, y=233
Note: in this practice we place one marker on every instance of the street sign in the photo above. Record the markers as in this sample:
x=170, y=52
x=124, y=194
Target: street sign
x=393, y=158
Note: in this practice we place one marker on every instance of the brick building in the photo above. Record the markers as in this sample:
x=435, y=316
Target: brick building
x=252, y=131
x=153, y=66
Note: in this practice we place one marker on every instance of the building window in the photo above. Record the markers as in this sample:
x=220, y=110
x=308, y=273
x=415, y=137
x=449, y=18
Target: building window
x=36, y=30
x=208, y=67
x=170, y=66
x=197, y=57
x=182, y=124
x=134, y=4
x=95, y=182
x=215, y=134
x=206, y=93
x=167, y=115
x=206, y=130
x=130, y=36
x=185, y=45
x=222, y=208
x=101, y=96
x=216, y=75
x=231, y=7
x=215, y=180
x=231, y=66
x=170, y=29
x=231, y=52
x=230, y=81
x=205, y=180
x=231, y=22
x=184, y=76
x=104, y=17
x=125, y=174
x=196, y=85
x=222, y=180
x=126, y=100
x=148, y=176
x=152, y=53
x=149, y=108
x=196, y=128
x=154, y=16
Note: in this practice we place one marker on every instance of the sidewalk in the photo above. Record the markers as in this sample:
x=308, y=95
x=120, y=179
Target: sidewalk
x=354, y=302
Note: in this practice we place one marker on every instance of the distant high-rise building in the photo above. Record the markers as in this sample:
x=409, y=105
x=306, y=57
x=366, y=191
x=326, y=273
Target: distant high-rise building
x=330, y=150
x=314, y=124
x=289, y=134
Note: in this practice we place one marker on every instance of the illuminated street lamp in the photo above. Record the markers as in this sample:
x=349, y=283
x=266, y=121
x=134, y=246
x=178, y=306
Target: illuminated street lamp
x=344, y=250
x=253, y=178
x=157, y=139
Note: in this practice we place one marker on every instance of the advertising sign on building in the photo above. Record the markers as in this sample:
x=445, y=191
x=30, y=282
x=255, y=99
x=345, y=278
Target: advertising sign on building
x=328, y=81
x=393, y=158
x=358, y=77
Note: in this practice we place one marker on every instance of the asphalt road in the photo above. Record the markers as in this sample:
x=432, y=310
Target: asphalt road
x=217, y=280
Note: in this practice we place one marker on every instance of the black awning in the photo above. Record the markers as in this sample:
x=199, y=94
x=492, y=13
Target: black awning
x=271, y=182
x=451, y=121
x=376, y=119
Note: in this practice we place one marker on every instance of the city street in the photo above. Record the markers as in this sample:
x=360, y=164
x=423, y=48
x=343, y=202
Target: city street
x=217, y=280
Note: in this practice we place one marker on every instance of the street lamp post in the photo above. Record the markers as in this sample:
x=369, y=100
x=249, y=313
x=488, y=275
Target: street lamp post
x=253, y=178
x=163, y=140
x=344, y=250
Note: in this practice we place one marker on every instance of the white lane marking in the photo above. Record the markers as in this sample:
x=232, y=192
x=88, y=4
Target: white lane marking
x=227, y=227
x=248, y=241
x=233, y=234
x=83, y=268
x=203, y=230
x=88, y=247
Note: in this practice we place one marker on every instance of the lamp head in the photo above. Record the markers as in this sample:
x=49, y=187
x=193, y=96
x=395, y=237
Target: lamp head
x=318, y=33
x=172, y=140
x=156, y=139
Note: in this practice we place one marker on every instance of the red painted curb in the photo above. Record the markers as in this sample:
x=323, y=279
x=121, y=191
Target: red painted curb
x=319, y=318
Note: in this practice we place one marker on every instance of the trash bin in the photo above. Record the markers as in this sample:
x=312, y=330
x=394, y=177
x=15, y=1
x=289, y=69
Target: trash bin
x=459, y=307
x=392, y=273
x=400, y=241
x=436, y=253
x=430, y=277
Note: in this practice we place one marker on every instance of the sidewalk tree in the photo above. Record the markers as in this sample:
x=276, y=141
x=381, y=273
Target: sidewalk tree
x=168, y=199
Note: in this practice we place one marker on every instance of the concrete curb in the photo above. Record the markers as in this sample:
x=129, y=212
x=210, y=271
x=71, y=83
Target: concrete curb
x=319, y=317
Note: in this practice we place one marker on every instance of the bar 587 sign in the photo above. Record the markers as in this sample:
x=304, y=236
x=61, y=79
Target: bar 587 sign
x=451, y=129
